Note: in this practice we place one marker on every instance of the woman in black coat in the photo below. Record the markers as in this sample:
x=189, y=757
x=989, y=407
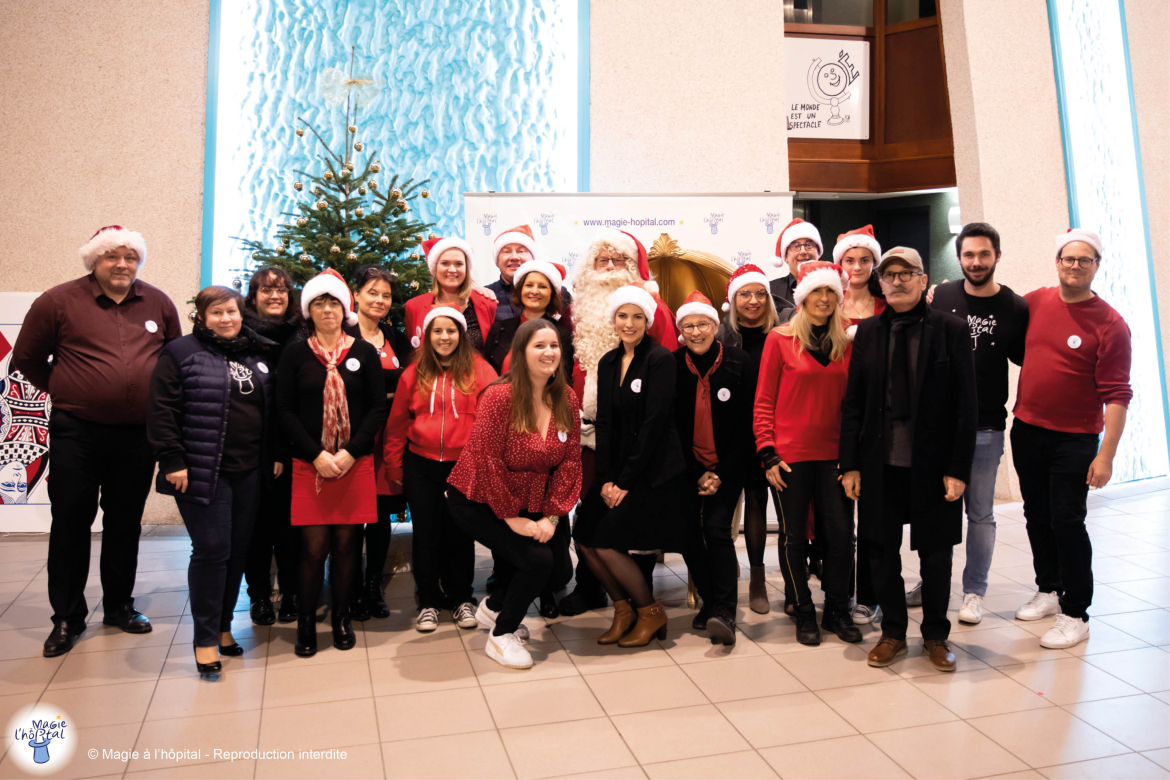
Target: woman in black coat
x=716, y=390
x=634, y=502
x=209, y=423
x=536, y=293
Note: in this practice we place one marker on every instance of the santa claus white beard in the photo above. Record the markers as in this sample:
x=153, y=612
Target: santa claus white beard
x=594, y=334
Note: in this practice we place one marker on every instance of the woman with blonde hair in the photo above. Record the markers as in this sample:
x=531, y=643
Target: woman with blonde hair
x=449, y=261
x=797, y=423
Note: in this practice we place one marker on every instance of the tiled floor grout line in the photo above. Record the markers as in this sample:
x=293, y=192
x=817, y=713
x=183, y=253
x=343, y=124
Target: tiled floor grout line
x=483, y=695
x=374, y=698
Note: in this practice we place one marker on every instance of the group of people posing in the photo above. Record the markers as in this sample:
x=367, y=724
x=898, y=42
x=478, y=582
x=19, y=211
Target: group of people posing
x=295, y=431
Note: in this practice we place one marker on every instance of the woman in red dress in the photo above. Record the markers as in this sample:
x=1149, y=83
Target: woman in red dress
x=332, y=403
x=449, y=260
x=519, y=474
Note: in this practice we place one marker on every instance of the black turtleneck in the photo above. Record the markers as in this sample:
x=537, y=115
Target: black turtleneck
x=704, y=362
x=820, y=345
x=753, y=341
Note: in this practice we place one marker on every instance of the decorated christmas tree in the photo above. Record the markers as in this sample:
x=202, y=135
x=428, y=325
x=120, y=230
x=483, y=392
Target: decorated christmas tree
x=352, y=216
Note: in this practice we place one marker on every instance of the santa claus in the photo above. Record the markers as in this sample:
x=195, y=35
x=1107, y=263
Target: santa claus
x=614, y=258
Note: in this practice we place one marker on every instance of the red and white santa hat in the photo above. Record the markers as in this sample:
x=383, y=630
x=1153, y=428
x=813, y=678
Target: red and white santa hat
x=745, y=274
x=437, y=246
x=521, y=234
x=630, y=247
x=328, y=282
x=862, y=238
x=111, y=237
x=636, y=294
x=796, y=230
x=550, y=271
x=696, y=303
x=820, y=274
x=444, y=311
x=1080, y=234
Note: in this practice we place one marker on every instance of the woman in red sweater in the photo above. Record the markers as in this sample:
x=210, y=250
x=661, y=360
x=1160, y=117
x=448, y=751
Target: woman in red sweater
x=803, y=374
x=520, y=473
x=449, y=260
x=429, y=425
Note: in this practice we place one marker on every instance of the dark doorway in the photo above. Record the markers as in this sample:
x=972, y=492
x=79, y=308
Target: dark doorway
x=905, y=227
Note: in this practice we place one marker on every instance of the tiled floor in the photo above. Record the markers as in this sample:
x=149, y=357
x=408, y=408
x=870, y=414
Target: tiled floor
x=404, y=705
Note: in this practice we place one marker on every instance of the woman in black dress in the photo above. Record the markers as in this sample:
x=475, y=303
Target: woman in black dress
x=634, y=503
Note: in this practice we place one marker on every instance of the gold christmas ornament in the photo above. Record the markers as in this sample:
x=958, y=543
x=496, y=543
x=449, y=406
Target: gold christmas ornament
x=415, y=257
x=335, y=250
x=327, y=176
x=359, y=212
x=318, y=191
x=300, y=131
x=432, y=235
x=305, y=259
x=322, y=205
x=191, y=316
x=372, y=184
x=344, y=173
x=413, y=284
x=280, y=250
x=367, y=232
x=384, y=239
x=298, y=186
x=425, y=193
x=353, y=128
x=351, y=256
x=302, y=221
x=402, y=204
x=349, y=166
x=357, y=147
x=237, y=283
x=255, y=256
x=397, y=193
x=375, y=167
x=363, y=191
x=286, y=241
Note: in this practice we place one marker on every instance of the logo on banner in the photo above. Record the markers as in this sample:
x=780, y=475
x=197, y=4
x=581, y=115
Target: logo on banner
x=741, y=258
x=828, y=82
x=24, y=432
x=543, y=221
x=569, y=260
x=43, y=739
x=770, y=219
x=713, y=219
x=486, y=221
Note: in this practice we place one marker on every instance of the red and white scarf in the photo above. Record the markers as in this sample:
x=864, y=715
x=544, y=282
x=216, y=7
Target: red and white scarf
x=335, y=420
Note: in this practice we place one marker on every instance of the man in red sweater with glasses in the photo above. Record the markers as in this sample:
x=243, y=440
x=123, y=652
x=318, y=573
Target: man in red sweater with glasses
x=1077, y=361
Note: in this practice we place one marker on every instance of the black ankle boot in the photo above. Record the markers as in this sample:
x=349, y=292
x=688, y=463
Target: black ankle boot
x=343, y=636
x=288, y=609
x=375, y=601
x=358, y=610
x=306, y=636
x=548, y=606
x=841, y=624
x=807, y=631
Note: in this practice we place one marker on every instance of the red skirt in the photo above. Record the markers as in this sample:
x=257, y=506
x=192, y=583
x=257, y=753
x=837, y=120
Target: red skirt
x=343, y=501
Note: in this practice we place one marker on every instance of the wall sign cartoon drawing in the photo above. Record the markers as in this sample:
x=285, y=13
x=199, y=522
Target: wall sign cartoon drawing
x=828, y=81
x=828, y=86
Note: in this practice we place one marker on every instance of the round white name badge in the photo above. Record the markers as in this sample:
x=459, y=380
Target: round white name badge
x=562, y=436
x=415, y=341
x=263, y=368
x=152, y=326
x=394, y=360
x=352, y=364
x=1074, y=342
x=724, y=394
x=636, y=385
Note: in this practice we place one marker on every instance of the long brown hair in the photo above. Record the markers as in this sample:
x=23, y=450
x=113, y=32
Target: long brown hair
x=800, y=327
x=523, y=416
x=462, y=366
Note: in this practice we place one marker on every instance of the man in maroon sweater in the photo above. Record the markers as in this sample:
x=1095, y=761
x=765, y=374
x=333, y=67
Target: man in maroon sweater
x=92, y=344
x=1078, y=355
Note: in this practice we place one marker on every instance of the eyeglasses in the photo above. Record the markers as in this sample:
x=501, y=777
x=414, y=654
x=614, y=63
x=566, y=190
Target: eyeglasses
x=1080, y=262
x=904, y=277
x=274, y=290
x=697, y=327
x=809, y=245
x=748, y=295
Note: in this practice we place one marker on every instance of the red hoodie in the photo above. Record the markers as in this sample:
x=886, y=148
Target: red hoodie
x=437, y=424
x=418, y=306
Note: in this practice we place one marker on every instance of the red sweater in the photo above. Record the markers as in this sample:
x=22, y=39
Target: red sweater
x=798, y=401
x=1076, y=360
x=418, y=306
x=515, y=472
x=438, y=432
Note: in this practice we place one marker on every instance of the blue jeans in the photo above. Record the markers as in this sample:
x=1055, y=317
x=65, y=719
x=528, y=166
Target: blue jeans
x=220, y=532
x=980, y=501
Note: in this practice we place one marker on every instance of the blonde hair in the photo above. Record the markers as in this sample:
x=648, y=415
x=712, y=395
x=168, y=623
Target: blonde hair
x=464, y=289
x=800, y=327
x=771, y=319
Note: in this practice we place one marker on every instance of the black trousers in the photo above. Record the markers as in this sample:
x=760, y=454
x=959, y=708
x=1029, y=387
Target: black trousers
x=89, y=460
x=1053, y=467
x=816, y=481
x=273, y=535
x=532, y=562
x=220, y=533
x=443, y=554
x=885, y=560
x=710, y=553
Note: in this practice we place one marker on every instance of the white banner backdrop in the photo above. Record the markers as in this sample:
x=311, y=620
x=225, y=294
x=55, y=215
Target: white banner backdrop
x=738, y=227
x=24, y=432
x=828, y=83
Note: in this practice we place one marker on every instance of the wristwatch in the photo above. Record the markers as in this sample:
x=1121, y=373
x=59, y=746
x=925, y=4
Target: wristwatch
x=552, y=519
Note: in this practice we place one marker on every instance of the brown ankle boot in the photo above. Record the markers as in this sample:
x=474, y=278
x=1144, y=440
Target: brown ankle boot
x=758, y=592
x=651, y=622
x=623, y=621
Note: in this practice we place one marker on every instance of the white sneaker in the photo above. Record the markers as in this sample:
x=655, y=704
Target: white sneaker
x=486, y=619
x=972, y=610
x=464, y=615
x=914, y=597
x=1067, y=632
x=863, y=615
x=508, y=650
x=428, y=619
x=1039, y=607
